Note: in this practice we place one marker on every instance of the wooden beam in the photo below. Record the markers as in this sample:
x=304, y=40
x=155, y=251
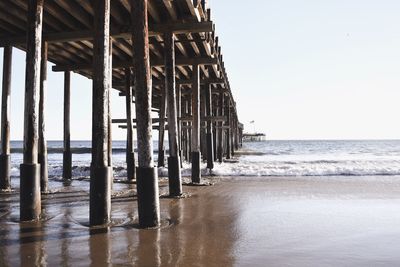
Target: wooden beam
x=123, y=32
x=181, y=82
x=127, y=64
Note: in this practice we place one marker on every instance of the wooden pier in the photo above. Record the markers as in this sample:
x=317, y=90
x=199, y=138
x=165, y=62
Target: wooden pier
x=162, y=56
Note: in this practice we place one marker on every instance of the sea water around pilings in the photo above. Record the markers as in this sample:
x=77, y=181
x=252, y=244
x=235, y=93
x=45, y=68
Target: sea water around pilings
x=269, y=158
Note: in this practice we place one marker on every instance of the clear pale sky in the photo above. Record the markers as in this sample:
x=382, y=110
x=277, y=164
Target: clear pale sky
x=308, y=69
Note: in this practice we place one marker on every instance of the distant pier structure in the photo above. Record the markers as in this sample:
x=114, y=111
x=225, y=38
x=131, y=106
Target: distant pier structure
x=254, y=137
x=162, y=56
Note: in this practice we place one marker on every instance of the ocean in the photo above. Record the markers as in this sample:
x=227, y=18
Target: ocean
x=268, y=158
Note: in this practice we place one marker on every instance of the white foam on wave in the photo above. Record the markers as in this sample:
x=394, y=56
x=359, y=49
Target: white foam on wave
x=272, y=158
x=313, y=168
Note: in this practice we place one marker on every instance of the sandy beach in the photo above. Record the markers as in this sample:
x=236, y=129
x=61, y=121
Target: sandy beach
x=241, y=221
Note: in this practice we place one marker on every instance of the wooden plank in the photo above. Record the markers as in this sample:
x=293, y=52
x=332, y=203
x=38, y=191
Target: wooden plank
x=155, y=62
x=123, y=32
x=179, y=82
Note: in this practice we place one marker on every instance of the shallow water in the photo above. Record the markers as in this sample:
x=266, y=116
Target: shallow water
x=275, y=221
x=269, y=158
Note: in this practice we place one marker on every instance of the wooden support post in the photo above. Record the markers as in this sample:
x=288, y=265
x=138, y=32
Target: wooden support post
x=174, y=164
x=42, y=156
x=161, y=130
x=101, y=172
x=220, y=149
x=186, y=132
x=209, y=138
x=179, y=115
x=215, y=139
x=130, y=152
x=236, y=134
x=67, y=155
x=203, y=124
x=30, y=200
x=5, y=182
x=109, y=119
x=229, y=129
x=196, y=157
x=147, y=180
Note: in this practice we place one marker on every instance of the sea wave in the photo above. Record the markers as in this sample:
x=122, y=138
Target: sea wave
x=276, y=169
x=311, y=168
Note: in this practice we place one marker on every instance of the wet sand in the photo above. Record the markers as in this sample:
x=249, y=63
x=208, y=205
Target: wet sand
x=242, y=221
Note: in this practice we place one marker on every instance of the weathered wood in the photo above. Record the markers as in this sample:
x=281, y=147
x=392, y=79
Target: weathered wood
x=67, y=155
x=171, y=93
x=185, y=135
x=42, y=156
x=179, y=82
x=195, y=139
x=109, y=122
x=5, y=182
x=101, y=173
x=30, y=201
x=202, y=125
x=32, y=88
x=182, y=119
x=161, y=131
x=147, y=181
x=229, y=129
x=210, y=145
x=196, y=109
x=130, y=154
x=179, y=115
x=123, y=32
x=174, y=164
x=220, y=149
x=155, y=62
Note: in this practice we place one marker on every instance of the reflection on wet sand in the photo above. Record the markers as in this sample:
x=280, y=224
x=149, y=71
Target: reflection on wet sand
x=32, y=247
x=100, y=247
x=298, y=221
x=188, y=234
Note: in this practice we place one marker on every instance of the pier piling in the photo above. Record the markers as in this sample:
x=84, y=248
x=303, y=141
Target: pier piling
x=174, y=164
x=101, y=172
x=209, y=137
x=130, y=152
x=195, y=142
x=147, y=180
x=30, y=199
x=161, y=129
x=5, y=182
x=42, y=156
x=67, y=155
